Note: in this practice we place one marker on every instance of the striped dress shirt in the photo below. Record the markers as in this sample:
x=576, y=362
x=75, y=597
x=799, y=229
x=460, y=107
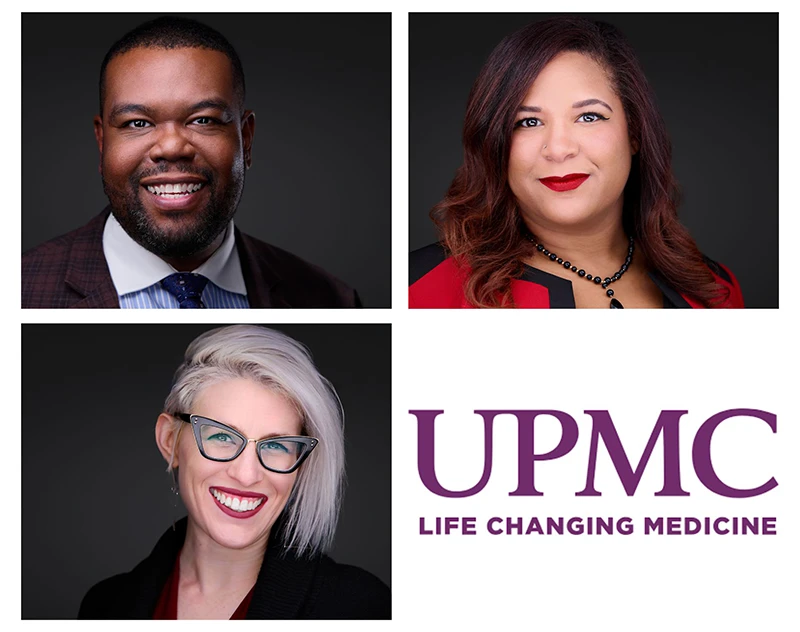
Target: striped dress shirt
x=156, y=297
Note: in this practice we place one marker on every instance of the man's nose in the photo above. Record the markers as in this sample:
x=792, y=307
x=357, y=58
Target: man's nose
x=172, y=143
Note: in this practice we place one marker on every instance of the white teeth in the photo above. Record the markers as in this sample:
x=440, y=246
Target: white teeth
x=175, y=190
x=237, y=504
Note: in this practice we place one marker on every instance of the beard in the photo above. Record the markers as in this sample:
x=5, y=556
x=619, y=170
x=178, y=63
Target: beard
x=188, y=235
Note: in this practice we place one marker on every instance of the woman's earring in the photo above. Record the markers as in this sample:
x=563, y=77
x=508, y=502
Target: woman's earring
x=174, y=489
x=176, y=492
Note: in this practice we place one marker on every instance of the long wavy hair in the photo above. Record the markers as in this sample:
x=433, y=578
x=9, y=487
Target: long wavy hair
x=479, y=219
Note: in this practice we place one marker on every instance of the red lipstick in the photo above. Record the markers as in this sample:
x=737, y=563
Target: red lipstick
x=565, y=183
x=225, y=492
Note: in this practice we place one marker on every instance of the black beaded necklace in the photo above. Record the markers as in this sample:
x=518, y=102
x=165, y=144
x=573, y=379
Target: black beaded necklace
x=615, y=304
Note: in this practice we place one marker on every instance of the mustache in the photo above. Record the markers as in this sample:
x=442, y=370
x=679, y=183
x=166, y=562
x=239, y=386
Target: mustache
x=140, y=174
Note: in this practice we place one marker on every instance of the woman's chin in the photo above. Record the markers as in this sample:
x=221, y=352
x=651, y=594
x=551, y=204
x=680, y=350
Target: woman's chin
x=564, y=216
x=231, y=533
x=236, y=538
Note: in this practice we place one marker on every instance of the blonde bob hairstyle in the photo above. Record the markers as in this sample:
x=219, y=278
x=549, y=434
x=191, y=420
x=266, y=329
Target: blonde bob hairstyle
x=275, y=360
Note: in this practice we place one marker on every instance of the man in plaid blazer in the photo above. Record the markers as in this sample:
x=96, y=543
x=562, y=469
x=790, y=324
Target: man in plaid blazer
x=71, y=271
x=174, y=141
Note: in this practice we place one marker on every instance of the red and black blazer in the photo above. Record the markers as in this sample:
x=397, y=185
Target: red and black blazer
x=436, y=281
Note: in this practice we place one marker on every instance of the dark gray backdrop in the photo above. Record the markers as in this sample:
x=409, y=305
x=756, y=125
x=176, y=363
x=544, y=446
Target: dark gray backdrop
x=95, y=494
x=716, y=83
x=320, y=86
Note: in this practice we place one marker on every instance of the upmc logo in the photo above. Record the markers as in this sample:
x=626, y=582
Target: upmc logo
x=667, y=427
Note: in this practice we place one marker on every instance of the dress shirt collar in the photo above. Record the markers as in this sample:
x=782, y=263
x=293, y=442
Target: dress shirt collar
x=134, y=268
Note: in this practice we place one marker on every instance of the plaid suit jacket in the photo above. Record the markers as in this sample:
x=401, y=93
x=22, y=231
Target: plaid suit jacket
x=71, y=271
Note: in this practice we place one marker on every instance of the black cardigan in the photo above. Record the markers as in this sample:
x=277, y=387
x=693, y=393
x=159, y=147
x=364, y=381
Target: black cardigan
x=288, y=587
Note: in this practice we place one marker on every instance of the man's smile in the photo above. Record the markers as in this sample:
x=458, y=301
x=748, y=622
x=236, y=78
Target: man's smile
x=174, y=187
x=179, y=192
x=174, y=190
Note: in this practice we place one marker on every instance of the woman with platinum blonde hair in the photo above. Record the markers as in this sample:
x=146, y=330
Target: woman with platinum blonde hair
x=260, y=519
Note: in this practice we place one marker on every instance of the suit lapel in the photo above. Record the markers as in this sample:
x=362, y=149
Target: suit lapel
x=262, y=283
x=87, y=271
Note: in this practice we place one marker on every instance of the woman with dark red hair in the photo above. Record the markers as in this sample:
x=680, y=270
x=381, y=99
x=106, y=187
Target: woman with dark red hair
x=566, y=197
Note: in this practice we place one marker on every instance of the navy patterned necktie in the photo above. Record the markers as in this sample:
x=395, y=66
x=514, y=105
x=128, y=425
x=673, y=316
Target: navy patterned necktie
x=187, y=287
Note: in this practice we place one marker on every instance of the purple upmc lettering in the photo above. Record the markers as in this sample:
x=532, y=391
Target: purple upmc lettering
x=602, y=426
x=667, y=423
x=425, y=451
x=701, y=453
x=526, y=453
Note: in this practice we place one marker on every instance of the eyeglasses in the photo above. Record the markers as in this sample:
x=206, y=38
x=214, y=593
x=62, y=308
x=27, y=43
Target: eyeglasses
x=218, y=442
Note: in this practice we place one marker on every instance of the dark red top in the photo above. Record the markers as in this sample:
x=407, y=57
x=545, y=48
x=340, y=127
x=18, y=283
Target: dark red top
x=167, y=607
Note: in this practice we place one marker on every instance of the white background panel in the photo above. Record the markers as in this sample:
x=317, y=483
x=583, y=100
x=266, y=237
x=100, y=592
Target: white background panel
x=689, y=362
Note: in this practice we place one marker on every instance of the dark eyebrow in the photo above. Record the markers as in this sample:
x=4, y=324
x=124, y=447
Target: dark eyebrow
x=130, y=108
x=584, y=103
x=226, y=113
x=212, y=104
x=579, y=104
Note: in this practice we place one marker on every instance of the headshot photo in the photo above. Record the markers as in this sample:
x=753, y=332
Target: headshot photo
x=206, y=160
x=593, y=161
x=206, y=472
